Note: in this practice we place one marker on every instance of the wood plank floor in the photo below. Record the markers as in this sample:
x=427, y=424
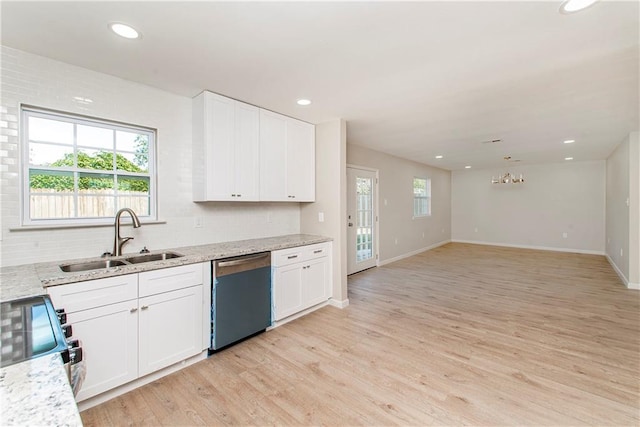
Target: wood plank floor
x=459, y=335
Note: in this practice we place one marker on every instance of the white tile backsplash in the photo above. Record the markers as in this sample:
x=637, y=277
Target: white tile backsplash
x=39, y=81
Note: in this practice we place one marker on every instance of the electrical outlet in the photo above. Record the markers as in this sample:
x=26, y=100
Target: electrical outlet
x=476, y=229
x=565, y=235
x=423, y=234
x=197, y=222
x=621, y=252
x=320, y=216
x=396, y=240
x=443, y=230
x=385, y=202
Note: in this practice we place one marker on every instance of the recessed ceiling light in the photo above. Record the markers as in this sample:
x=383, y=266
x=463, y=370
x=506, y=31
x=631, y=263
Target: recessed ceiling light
x=571, y=6
x=568, y=158
x=569, y=141
x=439, y=156
x=124, y=30
x=467, y=167
x=303, y=102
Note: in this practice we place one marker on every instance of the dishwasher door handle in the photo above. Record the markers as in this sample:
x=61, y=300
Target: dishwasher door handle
x=241, y=261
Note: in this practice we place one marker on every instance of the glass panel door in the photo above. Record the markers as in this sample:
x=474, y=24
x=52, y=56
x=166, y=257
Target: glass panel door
x=364, y=217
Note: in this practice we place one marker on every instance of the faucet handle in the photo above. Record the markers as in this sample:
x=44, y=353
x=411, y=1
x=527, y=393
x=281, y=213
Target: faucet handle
x=144, y=250
x=106, y=254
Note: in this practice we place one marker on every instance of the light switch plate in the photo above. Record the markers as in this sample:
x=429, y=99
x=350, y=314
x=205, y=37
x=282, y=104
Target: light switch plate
x=320, y=216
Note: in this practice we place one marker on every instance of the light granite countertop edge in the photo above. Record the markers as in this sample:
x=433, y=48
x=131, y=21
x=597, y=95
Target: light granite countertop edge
x=33, y=279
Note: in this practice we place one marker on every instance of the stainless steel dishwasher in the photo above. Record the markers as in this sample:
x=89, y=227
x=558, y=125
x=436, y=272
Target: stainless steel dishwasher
x=240, y=299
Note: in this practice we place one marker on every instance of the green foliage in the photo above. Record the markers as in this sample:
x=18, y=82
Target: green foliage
x=141, y=156
x=102, y=161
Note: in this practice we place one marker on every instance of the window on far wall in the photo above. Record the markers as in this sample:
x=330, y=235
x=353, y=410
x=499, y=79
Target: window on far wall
x=421, y=197
x=79, y=170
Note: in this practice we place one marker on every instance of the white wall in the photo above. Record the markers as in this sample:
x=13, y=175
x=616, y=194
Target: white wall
x=42, y=82
x=331, y=152
x=396, y=187
x=554, y=199
x=623, y=210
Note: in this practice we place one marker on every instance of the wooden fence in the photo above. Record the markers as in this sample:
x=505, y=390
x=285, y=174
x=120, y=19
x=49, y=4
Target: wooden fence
x=94, y=203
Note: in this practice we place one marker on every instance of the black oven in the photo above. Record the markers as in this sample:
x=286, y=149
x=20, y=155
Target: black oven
x=31, y=327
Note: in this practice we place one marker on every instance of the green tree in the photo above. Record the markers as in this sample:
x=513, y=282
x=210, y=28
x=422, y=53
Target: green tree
x=101, y=161
x=141, y=156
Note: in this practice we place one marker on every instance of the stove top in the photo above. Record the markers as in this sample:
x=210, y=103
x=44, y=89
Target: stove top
x=29, y=328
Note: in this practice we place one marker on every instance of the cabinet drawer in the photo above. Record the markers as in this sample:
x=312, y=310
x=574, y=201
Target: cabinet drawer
x=169, y=279
x=316, y=251
x=286, y=256
x=94, y=293
x=299, y=254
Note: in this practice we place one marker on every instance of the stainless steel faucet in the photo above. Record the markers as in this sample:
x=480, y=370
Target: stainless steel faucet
x=118, y=241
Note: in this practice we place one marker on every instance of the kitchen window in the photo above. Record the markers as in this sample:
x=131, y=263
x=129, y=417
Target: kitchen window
x=421, y=197
x=79, y=170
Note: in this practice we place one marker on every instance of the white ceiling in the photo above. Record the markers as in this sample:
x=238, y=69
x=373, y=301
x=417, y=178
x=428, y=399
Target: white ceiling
x=413, y=79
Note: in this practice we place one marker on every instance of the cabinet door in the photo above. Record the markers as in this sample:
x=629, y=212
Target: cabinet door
x=246, y=155
x=170, y=328
x=301, y=164
x=219, y=146
x=315, y=280
x=273, y=157
x=109, y=339
x=287, y=291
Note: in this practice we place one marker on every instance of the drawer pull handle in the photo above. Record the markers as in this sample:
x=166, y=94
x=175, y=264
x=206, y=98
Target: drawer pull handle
x=133, y=310
x=317, y=251
x=292, y=256
x=144, y=307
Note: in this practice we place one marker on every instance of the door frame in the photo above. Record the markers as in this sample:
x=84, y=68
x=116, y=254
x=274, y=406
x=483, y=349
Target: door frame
x=376, y=195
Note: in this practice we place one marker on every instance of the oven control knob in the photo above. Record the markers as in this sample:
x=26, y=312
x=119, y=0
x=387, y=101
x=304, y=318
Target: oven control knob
x=67, y=331
x=62, y=316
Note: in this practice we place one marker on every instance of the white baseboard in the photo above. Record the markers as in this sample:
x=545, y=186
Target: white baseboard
x=410, y=254
x=538, y=248
x=629, y=285
x=108, y=395
x=298, y=315
x=340, y=304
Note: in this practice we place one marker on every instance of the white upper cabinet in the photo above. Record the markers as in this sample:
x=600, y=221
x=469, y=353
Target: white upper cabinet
x=225, y=149
x=244, y=153
x=287, y=159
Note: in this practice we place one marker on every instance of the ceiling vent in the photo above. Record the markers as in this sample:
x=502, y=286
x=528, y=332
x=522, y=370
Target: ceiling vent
x=491, y=141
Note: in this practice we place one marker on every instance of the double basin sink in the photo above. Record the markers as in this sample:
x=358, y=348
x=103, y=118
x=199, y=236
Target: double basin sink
x=108, y=263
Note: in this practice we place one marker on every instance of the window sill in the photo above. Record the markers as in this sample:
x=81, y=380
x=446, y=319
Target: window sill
x=71, y=226
x=421, y=216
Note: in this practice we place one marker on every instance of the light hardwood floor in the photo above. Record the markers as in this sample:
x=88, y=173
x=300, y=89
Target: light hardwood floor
x=459, y=335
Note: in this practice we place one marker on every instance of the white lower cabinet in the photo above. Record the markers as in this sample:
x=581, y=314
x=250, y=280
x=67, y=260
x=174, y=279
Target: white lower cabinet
x=132, y=325
x=301, y=279
x=170, y=328
x=287, y=291
x=109, y=338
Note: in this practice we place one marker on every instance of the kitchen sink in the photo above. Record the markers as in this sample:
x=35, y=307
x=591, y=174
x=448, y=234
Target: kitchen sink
x=95, y=265
x=152, y=257
x=107, y=263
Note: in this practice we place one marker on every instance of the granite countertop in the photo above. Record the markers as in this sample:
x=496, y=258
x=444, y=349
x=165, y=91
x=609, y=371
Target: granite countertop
x=37, y=392
x=31, y=279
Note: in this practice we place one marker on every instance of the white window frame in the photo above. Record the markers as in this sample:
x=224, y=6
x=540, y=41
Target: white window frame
x=27, y=111
x=427, y=197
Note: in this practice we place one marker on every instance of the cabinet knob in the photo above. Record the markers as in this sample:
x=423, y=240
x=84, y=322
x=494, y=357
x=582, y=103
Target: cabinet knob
x=144, y=307
x=133, y=310
x=233, y=195
x=239, y=195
